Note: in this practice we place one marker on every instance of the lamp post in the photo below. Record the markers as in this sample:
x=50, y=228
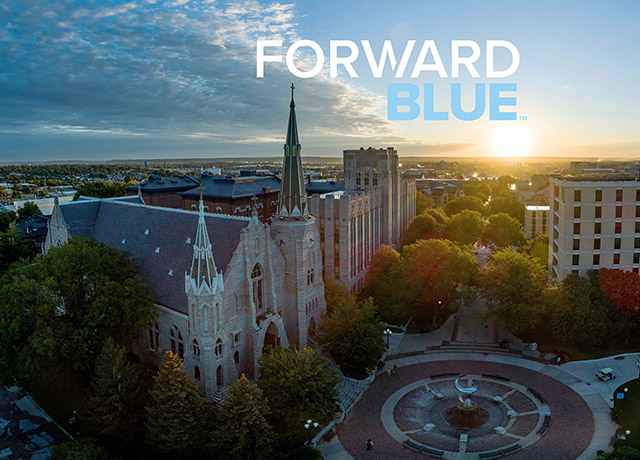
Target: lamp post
x=387, y=334
x=310, y=424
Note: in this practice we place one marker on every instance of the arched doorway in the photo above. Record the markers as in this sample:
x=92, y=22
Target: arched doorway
x=271, y=338
x=219, y=380
x=312, y=327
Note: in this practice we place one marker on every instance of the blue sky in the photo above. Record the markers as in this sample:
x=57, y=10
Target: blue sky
x=151, y=79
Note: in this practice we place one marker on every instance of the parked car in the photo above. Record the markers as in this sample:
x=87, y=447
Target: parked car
x=605, y=374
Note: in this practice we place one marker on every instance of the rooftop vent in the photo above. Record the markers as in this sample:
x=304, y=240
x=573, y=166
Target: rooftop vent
x=123, y=241
x=188, y=240
x=146, y=232
x=157, y=250
x=171, y=272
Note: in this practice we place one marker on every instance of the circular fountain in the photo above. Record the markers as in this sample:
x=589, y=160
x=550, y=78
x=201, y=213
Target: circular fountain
x=466, y=414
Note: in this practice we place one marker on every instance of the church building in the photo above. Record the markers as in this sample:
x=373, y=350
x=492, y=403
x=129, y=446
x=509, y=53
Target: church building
x=226, y=287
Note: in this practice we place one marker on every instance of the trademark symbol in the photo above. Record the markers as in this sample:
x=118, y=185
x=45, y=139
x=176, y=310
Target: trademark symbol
x=522, y=117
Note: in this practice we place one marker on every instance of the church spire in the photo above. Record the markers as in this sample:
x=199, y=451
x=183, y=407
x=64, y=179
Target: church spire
x=292, y=200
x=204, y=274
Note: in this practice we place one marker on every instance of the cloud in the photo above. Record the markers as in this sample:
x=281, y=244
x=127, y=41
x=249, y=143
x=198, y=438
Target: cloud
x=183, y=67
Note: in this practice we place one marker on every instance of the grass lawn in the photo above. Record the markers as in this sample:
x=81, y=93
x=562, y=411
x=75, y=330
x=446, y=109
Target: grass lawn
x=628, y=413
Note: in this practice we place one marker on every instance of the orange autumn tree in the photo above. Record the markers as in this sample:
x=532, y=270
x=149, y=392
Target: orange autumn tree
x=622, y=288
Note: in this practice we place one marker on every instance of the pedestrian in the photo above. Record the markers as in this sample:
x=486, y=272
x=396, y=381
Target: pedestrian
x=486, y=325
x=369, y=444
x=388, y=372
x=395, y=369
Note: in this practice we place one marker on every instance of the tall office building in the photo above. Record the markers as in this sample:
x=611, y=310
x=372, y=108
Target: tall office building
x=596, y=224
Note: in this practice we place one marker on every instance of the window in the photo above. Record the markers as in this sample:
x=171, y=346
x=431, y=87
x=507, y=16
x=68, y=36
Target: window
x=638, y=195
x=637, y=227
x=236, y=357
x=618, y=195
x=616, y=259
x=576, y=245
x=236, y=339
x=576, y=212
x=637, y=211
x=597, y=228
x=576, y=228
x=618, y=211
x=577, y=195
x=636, y=243
x=196, y=348
x=154, y=336
x=256, y=280
x=598, y=212
x=218, y=349
x=617, y=243
x=598, y=195
x=196, y=373
x=618, y=227
x=177, y=344
x=576, y=259
x=596, y=259
x=636, y=258
x=596, y=244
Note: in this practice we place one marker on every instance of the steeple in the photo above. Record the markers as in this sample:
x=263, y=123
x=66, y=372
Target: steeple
x=292, y=200
x=204, y=274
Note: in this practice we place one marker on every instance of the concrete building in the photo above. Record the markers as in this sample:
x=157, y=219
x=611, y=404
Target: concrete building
x=596, y=223
x=536, y=221
x=373, y=206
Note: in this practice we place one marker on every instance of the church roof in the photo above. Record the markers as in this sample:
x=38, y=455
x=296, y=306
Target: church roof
x=156, y=183
x=161, y=240
x=323, y=186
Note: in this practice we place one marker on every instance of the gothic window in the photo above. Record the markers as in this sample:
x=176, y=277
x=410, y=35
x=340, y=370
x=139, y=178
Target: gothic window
x=196, y=373
x=256, y=280
x=235, y=303
x=177, y=344
x=196, y=348
x=219, y=379
x=236, y=357
x=218, y=348
x=154, y=336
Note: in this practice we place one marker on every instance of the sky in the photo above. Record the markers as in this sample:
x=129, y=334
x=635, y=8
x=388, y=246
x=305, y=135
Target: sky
x=102, y=80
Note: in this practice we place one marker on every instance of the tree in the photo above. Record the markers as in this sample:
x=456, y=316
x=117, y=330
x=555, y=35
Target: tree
x=464, y=227
x=502, y=231
x=243, y=431
x=423, y=202
x=176, y=412
x=352, y=333
x=380, y=282
x=335, y=293
x=513, y=286
x=621, y=453
x=6, y=219
x=479, y=189
x=438, y=215
x=117, y=401
x=422, y=227
x=78, y=449
x=299, y=385
x=622, y=288
x=538, y=248
x=13, y=247
x=28, y=209
x=433, y=274
x=507, y=204
x=575, y=317
x=461, y=203
x=76, y=297
x=100, y=189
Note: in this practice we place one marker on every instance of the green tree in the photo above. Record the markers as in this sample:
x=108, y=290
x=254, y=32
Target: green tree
x=13, y=247
x=438, y=215
x=538, y=248
x=72, y=300
x=502, y=231
x=335, y=293
x=299, y=385
x=243, y=431
x=461, y=203
x=28, y=209
x=575, y=318
x=422, y=227
x=479, y=189
x=507, y=204
x=423, y=203
x=100, y=189
x=381, y=284
x=433, y=274
x=464, y=227
x=117, y=401
x=176, y=411
x=352, y=333
x=78, y=449
x=513, y=285
x=6, y=219
x=621, y=453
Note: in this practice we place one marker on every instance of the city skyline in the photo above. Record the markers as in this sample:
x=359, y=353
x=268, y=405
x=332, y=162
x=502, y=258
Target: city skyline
x=103, y=81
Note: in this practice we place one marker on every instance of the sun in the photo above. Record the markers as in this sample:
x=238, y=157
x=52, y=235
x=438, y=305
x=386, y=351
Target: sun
x=512, y=141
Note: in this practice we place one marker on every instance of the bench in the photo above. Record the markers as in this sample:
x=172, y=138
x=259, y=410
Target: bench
x=412, y=445
x=537, y=395
x=545, y=425
x=511, y=449
x=492, y=454
x=433, y=452
x=449, y=374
